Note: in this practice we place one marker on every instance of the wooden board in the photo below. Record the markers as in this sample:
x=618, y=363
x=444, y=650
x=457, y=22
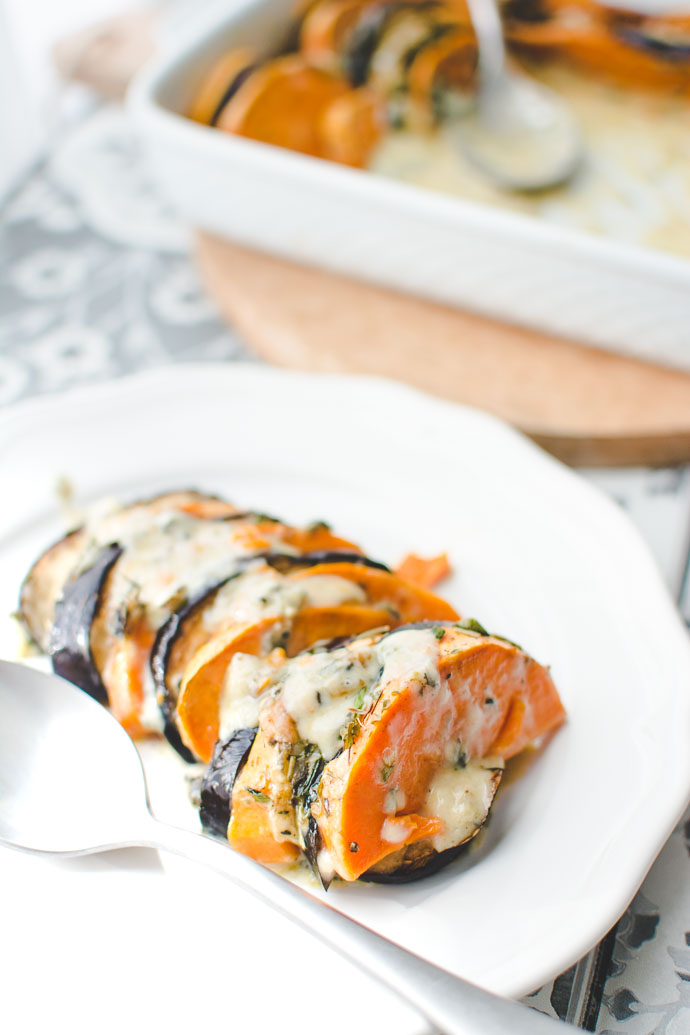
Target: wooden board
x=585, y=406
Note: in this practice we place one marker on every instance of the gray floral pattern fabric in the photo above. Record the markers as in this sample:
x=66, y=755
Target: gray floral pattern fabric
x=96, y=281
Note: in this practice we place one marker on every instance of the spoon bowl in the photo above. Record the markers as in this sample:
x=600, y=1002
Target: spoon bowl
x=71, y=782
x=519, y=134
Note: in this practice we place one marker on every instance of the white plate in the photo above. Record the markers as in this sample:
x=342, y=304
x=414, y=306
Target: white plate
x=538, y=555
x=510, y=266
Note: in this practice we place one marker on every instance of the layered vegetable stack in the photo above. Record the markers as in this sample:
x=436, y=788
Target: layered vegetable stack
x=345, y=712
x=354, y=70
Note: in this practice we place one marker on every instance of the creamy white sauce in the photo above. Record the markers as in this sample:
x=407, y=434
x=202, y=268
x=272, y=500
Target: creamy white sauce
x=406, y=30
x=150, y=715
x=461, y=797
x=258, y=594
x=320, y=691
x=168, y=556
x=245, y=678
x=394, y=832
x=634, y=184
x=178, y=554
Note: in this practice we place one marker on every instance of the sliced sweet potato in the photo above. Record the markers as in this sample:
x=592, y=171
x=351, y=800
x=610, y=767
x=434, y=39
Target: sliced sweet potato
x=325, y=29
x=123, y=669
x=425, y=572
x=250, y=831
x=281, y=104
x=262, y=815
x=352, y=125
x=219, y=83
x=198, y=706
x=389, y=602
x=314, y=624
x=616, y=52
x=490, y=698
x=406, y=602
x=315, y=537
x=447, y=62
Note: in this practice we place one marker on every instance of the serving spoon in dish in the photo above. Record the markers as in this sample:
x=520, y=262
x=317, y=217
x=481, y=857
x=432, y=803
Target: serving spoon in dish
x=519, y=133
x=51, y=734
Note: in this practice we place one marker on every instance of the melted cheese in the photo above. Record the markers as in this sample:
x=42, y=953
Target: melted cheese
x=257, y=594
x=322, y=691
x=319, y=691
x=634, y=184
x=245, y=679
x=179, y=555
x=461, y=797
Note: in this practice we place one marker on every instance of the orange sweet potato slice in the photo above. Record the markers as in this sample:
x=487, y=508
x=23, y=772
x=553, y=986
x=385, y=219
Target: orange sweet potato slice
x=281, y=104
x=449, y=61
x=261, y=806
x=216, y=83
x=122, y=666
x=491, y=698
x=249, y=831
x=389, y=602
x=426, y=572
x=198, y=706
x=314, y=624
x=406, y=602
x=312, y=538
x=593, y=46
x=325, y=29
x=351, y=127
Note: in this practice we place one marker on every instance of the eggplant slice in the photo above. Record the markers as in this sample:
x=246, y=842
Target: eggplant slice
x=216, y=789
x=43, y=586
x=70, y=639
x=369, y=32
x=176, y=641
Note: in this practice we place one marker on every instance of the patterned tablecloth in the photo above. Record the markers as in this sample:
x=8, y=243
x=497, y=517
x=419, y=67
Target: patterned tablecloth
x=96, y=282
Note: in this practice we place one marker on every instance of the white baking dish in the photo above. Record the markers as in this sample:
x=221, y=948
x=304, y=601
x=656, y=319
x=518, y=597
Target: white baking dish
x=625, y=298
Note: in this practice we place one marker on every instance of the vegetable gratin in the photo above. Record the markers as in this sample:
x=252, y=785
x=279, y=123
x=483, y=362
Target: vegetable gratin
x=345, y=714
x=353, y=72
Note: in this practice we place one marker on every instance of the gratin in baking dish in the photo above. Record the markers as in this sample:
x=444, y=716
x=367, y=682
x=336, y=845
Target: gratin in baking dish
x=626, y=298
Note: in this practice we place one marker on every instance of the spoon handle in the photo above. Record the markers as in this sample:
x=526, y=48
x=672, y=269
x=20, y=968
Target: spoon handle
x=488, y=28
x=454, y=1006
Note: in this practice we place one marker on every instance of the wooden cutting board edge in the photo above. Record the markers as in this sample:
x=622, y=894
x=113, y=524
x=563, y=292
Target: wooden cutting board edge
x=312, y=320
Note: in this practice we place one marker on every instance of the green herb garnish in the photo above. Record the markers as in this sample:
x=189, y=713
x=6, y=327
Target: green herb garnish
x=259, y=796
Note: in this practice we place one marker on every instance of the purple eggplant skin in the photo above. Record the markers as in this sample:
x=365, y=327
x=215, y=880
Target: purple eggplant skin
x=70, y=638
x=216, y=790
x=166, y=694
x=673, y=52
x=284, y=562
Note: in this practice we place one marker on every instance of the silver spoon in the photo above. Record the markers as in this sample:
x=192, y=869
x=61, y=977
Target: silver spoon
x=58, y=747
x=519, y=133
